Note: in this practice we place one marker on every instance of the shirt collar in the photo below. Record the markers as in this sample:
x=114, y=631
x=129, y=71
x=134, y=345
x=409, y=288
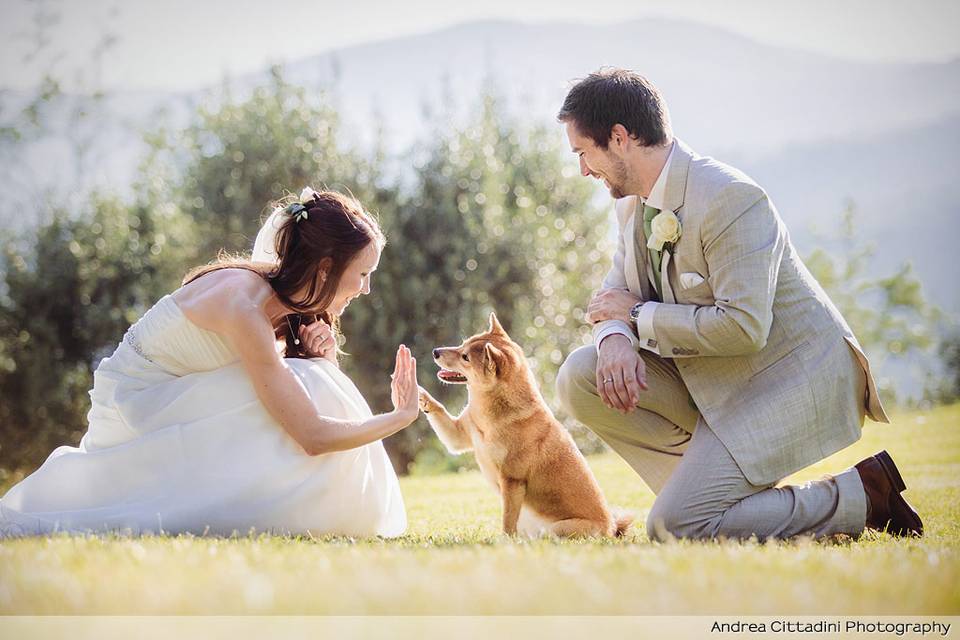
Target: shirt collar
x=658, y=192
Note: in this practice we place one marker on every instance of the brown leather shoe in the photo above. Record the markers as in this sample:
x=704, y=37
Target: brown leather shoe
x=887, y=510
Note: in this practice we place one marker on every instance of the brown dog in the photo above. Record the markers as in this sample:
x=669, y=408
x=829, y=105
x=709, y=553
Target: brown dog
x=543, y=479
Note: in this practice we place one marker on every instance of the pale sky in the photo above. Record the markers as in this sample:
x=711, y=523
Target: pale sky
x=184, y=44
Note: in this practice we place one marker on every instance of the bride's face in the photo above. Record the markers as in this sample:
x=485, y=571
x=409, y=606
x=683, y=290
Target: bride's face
x=356, y=279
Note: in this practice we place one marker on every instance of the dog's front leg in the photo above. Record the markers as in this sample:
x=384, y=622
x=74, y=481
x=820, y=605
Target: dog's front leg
x=512, y=491
x=450, y=430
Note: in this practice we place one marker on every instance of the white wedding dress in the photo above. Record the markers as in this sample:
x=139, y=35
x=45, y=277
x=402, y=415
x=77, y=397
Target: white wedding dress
x=179, y=442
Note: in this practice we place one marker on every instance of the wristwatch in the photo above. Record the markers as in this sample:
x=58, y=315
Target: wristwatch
x=635, y=311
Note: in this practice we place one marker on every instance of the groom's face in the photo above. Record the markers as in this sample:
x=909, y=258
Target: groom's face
x=602, y=164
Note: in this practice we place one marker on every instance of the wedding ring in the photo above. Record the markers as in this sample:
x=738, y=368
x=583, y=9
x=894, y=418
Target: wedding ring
x=608, y=381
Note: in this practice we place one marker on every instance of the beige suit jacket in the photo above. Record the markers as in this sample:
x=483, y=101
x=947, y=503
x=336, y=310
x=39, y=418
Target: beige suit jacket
x=764, y=353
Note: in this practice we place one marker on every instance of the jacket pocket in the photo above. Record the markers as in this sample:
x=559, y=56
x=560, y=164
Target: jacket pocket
x=700, y=294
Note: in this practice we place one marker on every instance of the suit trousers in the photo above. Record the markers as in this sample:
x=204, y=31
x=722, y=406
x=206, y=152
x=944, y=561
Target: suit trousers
x=701, y=491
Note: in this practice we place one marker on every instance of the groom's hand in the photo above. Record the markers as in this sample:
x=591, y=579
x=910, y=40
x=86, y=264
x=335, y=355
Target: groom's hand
x=611, y=304
x=621, y=373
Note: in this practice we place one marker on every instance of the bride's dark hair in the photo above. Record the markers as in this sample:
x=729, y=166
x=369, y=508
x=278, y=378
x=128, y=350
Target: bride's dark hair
x=331, y=234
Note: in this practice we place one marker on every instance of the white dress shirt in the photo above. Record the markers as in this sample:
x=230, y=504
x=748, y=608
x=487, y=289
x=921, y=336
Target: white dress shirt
x=645, y=333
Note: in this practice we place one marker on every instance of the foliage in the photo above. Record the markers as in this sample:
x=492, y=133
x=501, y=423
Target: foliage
x=72, y=289
x=483, y=216
x=889, y=315
x=238, y=156
x=53, y=113
x=945, y=388
x=70, y=286
x=488, y=221
x=950, y=351
x=492, y=223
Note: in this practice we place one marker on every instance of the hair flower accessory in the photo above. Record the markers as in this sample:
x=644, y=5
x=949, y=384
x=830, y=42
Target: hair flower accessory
x=307, y=195
x=298, y=209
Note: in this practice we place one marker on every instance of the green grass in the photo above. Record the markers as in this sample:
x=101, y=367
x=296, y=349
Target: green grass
x=454, y=560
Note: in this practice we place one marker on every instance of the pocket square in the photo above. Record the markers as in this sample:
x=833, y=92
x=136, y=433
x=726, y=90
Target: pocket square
x=692, y=279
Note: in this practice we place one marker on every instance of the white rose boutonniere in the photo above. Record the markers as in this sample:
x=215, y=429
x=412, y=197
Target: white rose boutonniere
x=664, y=229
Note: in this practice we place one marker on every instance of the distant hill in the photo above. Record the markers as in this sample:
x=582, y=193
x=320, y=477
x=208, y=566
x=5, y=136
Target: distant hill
x=813, y=130
x=905, y=188
x=725, y=91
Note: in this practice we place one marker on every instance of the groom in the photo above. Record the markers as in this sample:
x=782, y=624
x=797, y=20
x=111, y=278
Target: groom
x=719, y=365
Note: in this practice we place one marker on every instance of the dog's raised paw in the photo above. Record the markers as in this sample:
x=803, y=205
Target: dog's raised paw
x=427, y=403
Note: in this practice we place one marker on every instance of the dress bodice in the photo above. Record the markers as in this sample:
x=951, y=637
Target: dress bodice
x=166, y=337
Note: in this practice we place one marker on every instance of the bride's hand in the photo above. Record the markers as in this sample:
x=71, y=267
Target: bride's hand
x=318, y=340
x=403, y=386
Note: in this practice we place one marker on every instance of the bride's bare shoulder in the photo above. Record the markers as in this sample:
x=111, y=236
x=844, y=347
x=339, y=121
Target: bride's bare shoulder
x=223, y=296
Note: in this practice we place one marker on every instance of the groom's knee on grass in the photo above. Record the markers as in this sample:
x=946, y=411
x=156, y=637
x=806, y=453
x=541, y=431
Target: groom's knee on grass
x=657, y=523
x=577, y=379
x=669, y=521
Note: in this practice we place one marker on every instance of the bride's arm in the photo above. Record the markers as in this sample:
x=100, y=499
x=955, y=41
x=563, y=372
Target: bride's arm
x=287, y=400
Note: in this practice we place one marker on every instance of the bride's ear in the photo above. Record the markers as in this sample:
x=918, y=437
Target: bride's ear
x=323, y=270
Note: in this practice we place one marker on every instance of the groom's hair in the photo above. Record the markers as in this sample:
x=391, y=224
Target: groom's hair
x=617, y=96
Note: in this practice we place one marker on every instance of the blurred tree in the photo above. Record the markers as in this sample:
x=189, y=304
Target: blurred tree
x=51, y=115
x=889, y=315
x=239, y=155
x=492, y=223
x=950, y=352
x=487, y=223
x=72, y=287
x=943, y=387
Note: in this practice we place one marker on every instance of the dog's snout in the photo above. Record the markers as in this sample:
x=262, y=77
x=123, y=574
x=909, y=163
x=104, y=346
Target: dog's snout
x=436, y=353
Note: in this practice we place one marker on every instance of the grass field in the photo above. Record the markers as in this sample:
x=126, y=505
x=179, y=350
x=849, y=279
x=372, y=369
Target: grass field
x=454, y=560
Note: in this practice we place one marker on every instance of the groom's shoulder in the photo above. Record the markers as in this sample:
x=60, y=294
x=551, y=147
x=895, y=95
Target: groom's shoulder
x=712, y=173
x=712, y=183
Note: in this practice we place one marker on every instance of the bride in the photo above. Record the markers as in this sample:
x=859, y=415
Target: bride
x=204, y=421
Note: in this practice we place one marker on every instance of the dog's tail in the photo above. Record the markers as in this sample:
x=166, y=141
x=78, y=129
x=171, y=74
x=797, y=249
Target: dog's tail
x=622, y=519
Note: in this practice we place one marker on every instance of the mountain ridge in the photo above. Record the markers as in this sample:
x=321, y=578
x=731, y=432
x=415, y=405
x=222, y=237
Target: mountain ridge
x=787, y=116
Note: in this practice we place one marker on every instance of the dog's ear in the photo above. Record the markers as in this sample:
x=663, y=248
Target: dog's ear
x=492, y=357
x=495, y=324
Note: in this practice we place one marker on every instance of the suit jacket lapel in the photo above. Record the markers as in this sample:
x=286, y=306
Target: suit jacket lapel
x=673, y=197
x=677, y=178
